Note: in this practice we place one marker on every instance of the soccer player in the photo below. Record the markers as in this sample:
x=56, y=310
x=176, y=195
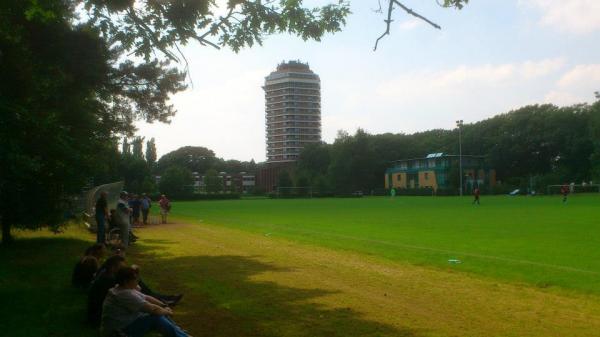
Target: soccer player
x=564, y=190
x=476, y=193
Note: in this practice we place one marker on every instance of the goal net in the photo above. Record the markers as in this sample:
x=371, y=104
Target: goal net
x=283, y=192
x=574, y=188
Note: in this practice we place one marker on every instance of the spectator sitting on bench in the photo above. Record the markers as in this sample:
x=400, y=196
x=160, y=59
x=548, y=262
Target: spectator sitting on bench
x=113, y=223
x=84, y=270
x=128, y=311
x=106, y=279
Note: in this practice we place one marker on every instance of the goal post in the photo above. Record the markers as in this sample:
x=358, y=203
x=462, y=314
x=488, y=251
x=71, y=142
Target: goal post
x=283, y=192
x=574, y=188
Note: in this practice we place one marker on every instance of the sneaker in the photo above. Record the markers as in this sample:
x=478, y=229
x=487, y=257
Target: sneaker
x=173, y=300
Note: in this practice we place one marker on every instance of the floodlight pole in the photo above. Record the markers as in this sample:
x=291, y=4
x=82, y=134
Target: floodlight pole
x=459, y=124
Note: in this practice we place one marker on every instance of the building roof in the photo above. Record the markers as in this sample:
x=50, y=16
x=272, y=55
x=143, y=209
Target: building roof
x=293, y=66
x=440, y=155
x=292, y=69
x=435, y=155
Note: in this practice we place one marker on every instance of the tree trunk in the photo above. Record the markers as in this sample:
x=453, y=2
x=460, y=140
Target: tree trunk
x=6, y=237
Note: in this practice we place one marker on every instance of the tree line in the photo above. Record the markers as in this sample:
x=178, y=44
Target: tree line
x=139, y=168
x=77, y=74
x=539, y=144
x=531, y=147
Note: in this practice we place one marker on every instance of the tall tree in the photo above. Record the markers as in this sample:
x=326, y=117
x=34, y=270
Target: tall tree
x=135, y=172
x=352, y=160
x=51, y=126
x=212, y=181
x=137, y=147
x=195, y=158
x=314, y=160
x=151, y=152
x=176, y=182
x=285, y=179
x=594, y=132
x=125, y=147
x=69, y=85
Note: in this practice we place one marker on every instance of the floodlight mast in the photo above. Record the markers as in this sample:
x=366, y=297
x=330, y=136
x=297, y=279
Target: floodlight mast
x=459, y=125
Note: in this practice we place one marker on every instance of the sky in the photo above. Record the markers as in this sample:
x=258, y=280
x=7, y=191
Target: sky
x=489, y=58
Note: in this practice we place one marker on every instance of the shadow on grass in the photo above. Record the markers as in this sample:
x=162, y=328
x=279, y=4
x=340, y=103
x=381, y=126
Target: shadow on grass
x=223, y=298
x=36, y=298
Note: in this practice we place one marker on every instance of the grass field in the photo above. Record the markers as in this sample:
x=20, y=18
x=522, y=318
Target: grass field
x=338, y=267
x=537, y=240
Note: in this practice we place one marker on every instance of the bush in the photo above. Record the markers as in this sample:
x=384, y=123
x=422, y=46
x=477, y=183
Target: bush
x=346, y=194
x=257, y=191
x=422, y=191
x=448, y=191
x=380, y=192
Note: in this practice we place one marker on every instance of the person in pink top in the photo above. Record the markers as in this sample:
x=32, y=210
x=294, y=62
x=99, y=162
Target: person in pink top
x=165, y=208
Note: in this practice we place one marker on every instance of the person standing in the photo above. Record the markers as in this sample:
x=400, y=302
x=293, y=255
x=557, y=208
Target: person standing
x=123, y=215
x=101, y=217
x=476, y=193
x=564, y=190
x=165, y=208
x=135, y=204
x=146, y=204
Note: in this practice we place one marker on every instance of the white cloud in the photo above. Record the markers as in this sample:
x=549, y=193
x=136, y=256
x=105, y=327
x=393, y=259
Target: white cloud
x=562, y=98
x=532, y=69
x=575, y=16
x=581, y=74
x=223, y=111
x=465, y=77
x=423, y=99
x=410, y=24
x=576, y=85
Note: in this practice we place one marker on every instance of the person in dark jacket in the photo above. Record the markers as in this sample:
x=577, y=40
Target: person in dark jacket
x=136, y=206
x=104, y=280
x=146, y=205
x=88, y=264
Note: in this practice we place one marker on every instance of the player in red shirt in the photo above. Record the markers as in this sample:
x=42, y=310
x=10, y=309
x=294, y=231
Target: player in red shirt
x=564, y=190
x=476, y=193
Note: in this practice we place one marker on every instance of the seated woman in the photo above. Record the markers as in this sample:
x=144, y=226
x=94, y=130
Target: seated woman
x=84, y=270
x=106, y=278
x=170, y=300
x=129, y=311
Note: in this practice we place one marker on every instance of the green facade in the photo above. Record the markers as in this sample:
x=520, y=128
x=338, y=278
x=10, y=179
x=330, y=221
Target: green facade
x=446, y=171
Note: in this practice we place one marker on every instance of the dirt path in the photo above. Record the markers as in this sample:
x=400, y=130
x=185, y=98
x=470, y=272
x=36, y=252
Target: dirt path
x=242, y=284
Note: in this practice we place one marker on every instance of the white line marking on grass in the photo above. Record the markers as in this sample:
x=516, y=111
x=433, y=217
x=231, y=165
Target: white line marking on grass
x=482, y=256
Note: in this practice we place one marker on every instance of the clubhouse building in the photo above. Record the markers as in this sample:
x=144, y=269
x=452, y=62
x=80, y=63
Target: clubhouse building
x=440, y=171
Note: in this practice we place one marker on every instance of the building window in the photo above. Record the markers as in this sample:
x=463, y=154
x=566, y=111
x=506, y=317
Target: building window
x=426, y=176
x=398, y=177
